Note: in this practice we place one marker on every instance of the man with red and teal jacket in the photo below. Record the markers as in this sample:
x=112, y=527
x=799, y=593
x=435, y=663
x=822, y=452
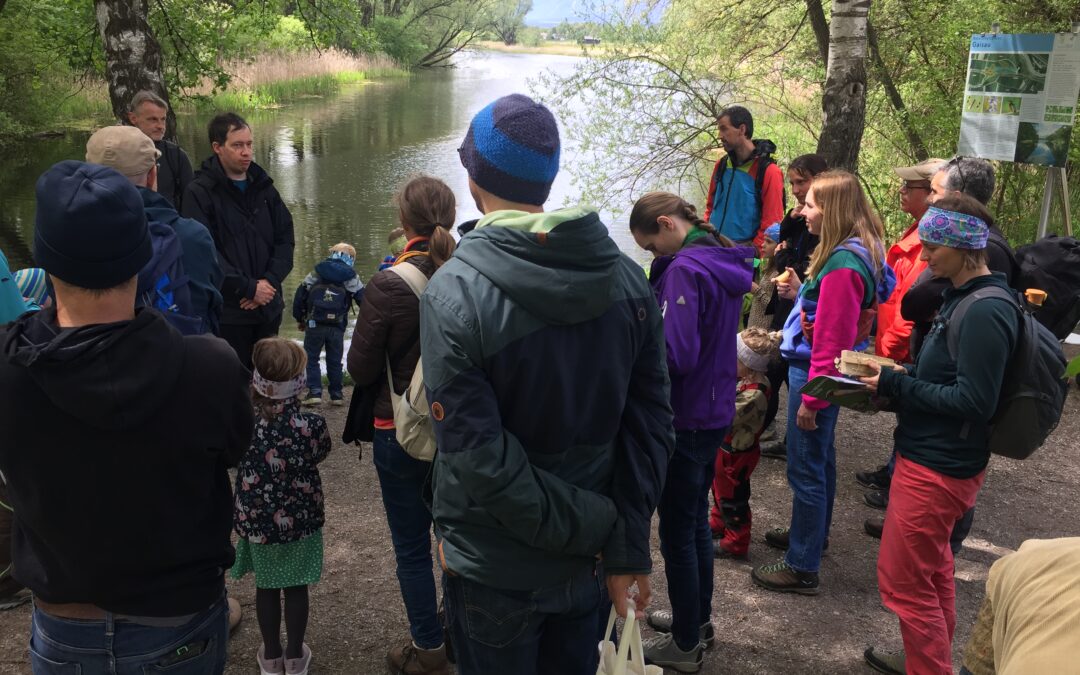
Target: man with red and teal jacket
x=746, y=191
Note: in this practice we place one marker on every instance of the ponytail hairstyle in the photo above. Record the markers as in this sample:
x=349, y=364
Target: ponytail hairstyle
x=646, y=211
x=427, y=206
x=278, y=360
x=845, y=213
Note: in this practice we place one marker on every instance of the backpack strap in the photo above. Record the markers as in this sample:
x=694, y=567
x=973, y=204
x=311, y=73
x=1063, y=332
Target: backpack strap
x=952, y=337
x=411, y=275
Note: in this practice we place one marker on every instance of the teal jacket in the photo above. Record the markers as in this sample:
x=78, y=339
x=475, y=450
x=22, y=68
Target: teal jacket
x=11, y=299
x=945, y=406
x=543, y=353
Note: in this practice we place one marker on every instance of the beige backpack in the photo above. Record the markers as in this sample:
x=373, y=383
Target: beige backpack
x=412, y=415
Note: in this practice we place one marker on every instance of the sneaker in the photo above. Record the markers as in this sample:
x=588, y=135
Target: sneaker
x=892, y=663
x=878, y=479
x=16, y=599
x=300, y=665
x=337, y=402
x=878, y=499
x=775, y=450
x=660, y=621
x=769, y=434
x=779, y=537
x=723, y=552
x=780, y=577
x=270, y=666
x=661, y=650
x=411, y=660
x=312, y=400
x=874, y=526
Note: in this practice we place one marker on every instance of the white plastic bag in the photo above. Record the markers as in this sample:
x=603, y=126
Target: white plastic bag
x=628, y=658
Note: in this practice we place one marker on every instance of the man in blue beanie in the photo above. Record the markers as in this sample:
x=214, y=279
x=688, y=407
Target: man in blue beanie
x=131, y=427
x=543, y=355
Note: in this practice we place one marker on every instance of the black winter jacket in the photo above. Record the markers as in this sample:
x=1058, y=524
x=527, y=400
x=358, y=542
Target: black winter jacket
x=174, y=172
x=116, y=442
x=253, y=232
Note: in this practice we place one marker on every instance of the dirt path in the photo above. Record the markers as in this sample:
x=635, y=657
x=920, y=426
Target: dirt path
x=357, y=611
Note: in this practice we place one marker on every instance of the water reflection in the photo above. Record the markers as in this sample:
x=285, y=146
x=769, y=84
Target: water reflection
x=337, y=161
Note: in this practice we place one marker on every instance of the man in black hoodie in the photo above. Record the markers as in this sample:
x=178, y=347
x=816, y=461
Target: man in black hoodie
x=252, y=229
x=118, y=432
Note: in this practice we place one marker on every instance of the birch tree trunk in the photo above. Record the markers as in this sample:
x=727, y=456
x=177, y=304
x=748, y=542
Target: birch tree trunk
x=844, y=99
x=132, y=55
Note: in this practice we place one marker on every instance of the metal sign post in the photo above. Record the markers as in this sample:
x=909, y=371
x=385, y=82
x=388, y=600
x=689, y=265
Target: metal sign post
x=1055, y=175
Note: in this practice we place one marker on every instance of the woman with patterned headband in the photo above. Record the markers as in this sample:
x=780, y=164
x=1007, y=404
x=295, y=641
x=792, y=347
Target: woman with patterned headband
x=943, y=405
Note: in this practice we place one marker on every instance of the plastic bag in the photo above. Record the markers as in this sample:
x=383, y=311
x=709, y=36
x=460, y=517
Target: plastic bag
x=628, y=658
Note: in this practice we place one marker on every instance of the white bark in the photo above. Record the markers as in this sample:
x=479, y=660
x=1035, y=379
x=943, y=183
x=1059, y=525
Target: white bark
x=844, y=99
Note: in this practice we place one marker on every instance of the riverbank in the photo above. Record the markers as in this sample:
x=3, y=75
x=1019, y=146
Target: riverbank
x=562, y=48
x=269, y=80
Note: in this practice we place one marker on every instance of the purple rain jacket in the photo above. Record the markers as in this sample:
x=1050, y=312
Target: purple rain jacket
x=700, y=290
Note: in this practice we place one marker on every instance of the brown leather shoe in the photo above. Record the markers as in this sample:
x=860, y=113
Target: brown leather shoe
x=411, y=660
x=874, y=526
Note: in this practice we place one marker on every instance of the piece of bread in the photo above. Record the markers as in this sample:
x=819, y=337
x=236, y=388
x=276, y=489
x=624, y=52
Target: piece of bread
x=783, y=277
x=853, y=364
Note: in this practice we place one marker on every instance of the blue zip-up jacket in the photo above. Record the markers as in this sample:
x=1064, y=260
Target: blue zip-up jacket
x=329, y=271
x=543, y=354
x=12, y=305
x=200, y=257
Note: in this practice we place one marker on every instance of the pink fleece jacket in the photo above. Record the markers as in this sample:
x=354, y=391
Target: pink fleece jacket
x=836, y=324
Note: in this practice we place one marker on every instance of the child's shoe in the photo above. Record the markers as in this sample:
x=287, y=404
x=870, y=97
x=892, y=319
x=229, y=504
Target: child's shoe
x=312, y=400
x=299, y=666
x=337, y=402
x=270, y=666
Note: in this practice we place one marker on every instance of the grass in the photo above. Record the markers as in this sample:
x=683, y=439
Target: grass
x=272, y=79
x=564, y=48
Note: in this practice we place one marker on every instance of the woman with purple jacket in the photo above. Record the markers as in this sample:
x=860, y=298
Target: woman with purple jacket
x=700, y=280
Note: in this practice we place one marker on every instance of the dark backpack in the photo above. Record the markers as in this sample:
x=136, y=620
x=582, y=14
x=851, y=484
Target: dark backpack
x=328, y=304
x=1052, y=264
x=1034, y=387
x=163, y=285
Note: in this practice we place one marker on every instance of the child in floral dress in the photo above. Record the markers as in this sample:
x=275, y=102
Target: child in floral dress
x=279, y=504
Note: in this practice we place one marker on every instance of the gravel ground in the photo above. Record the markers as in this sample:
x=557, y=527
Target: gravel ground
x=357, y=613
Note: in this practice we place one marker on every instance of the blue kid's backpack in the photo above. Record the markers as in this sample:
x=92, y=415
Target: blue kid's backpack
x=328, y=303
x=163, y=285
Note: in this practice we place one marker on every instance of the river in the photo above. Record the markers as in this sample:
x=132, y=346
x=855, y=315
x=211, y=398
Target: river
x=337, y=161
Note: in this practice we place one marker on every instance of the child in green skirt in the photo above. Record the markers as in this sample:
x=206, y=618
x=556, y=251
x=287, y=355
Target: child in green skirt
x=279, y=504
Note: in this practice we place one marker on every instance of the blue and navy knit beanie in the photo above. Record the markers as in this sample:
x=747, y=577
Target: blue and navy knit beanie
x=90, y=228
x=512, y=150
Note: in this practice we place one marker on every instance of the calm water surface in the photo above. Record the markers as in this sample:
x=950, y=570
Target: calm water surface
x=338, y=160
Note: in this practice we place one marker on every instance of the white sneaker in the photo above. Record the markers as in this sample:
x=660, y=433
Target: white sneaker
x=299, y=666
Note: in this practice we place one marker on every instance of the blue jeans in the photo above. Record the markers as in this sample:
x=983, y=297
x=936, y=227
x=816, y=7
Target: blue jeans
x=685, y=537
x=549, y=630
x=118, y=647
x=333, y=338
x=402, y=479
x=811, y=473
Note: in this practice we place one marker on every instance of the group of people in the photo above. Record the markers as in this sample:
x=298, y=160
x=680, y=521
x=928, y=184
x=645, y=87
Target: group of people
x=569, y=394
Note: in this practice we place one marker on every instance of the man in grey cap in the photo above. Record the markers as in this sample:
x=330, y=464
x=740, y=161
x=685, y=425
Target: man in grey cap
x=133, y=155
x=130, y=427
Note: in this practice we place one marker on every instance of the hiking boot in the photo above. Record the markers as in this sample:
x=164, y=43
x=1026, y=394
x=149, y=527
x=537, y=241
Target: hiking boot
x=312, y=400
x=878, y=479
x=299, y=666
x=775, y=450
x=662, y=651
x=723, y=552
x=874, y=526
x=892, y=663
x=337, y=402
x=660, y=621
x=270, y=666
x=411, y=660
x=878, y=499
x=780, y=537
x=15, y=599
x=780, y=577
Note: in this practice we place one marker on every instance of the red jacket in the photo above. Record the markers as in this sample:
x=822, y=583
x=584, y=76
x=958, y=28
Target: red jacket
x=894, y=333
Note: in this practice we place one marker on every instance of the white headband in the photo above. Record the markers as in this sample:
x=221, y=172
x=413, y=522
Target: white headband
x=278, y=391
x=750, y=358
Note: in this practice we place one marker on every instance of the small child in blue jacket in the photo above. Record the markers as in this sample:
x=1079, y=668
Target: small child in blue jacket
x=321, y=308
